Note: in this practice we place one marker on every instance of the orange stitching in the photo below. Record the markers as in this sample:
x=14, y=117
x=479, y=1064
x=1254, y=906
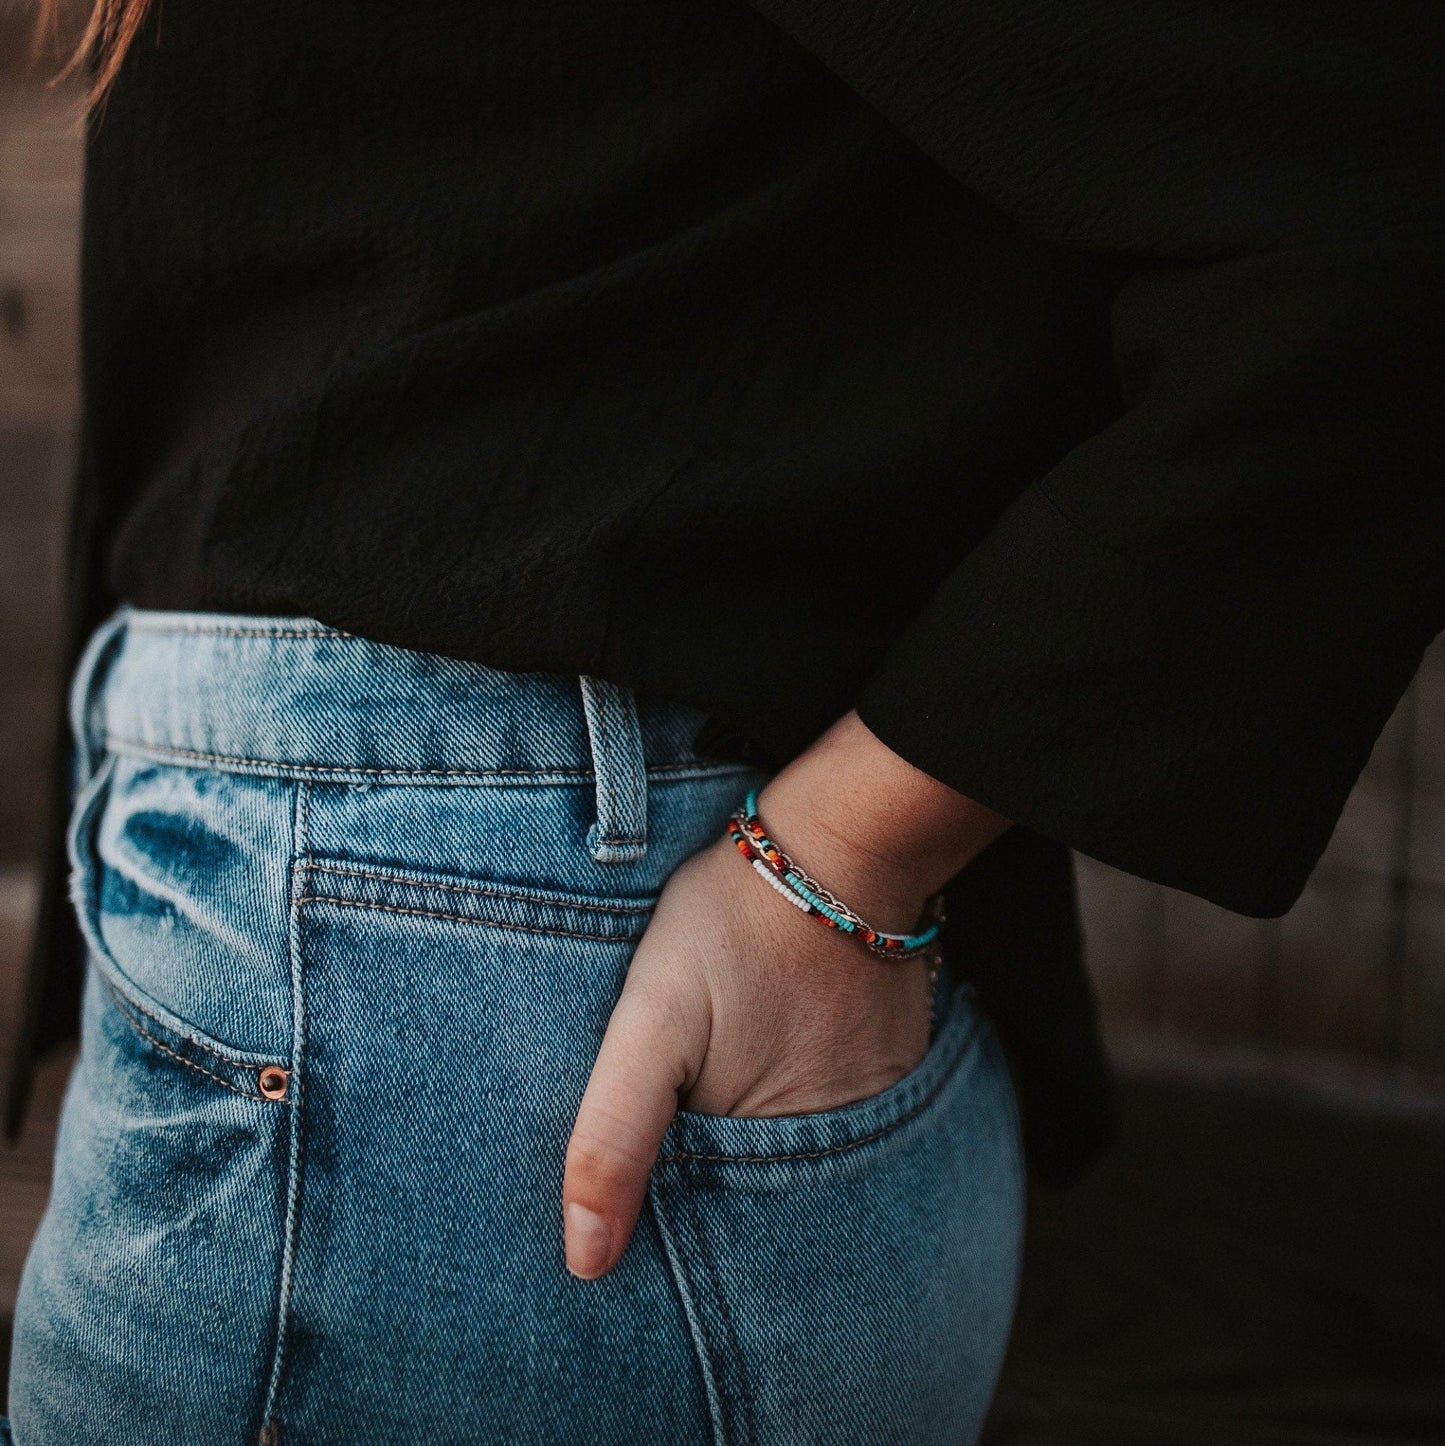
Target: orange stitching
x=118, y=742
x=346, y=768
x=220, y=632
x=464, y=919
x=460, y=888
x=236, y=1059
x=191, y=1064
x=144, y=1033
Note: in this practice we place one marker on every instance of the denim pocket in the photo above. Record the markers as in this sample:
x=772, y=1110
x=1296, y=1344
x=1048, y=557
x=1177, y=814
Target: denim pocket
x=151, y=1293
x=179, y=880
x=493, y=903
x=451, y=1023
x=851, y=1274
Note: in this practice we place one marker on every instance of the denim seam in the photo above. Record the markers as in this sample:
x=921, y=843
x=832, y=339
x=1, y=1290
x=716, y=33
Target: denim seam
x=727, y=1315
x=464, y=919
x=221, y=632
x=692, y=1312
x=121, y=988
x=300, y=847
x=686, y=768
x=381, y=876
x=141, y=1030
x=632, y=838
x=238, y=1060
x=125, y=1007
x=604, y=771
x=117, y=742
x=604, y=765
x=872, y=1137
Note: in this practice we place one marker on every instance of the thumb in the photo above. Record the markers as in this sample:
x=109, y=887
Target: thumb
x=628, y=1104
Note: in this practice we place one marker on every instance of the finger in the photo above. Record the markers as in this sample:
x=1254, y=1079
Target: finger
x=628, y=1104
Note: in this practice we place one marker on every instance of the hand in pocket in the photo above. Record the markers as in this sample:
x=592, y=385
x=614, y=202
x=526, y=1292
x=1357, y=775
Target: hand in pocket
x=736, y=1003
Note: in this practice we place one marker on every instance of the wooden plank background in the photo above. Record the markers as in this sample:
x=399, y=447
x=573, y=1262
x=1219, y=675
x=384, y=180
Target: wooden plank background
x=1356, y=967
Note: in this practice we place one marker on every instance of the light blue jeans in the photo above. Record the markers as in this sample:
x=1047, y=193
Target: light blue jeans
x=357, y=917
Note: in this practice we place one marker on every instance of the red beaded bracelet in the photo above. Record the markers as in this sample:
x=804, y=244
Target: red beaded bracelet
x=774, y=866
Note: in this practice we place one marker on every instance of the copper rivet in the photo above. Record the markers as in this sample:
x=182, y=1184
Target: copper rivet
x=273, y=1082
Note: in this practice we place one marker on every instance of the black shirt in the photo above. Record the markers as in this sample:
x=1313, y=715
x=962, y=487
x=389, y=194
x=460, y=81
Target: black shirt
x=1057, y=383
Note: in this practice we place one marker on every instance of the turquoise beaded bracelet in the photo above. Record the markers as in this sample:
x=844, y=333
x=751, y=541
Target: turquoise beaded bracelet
x=774, y=866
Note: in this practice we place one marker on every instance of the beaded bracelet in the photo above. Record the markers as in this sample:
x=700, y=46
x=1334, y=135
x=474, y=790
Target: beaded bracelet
x=775, y=867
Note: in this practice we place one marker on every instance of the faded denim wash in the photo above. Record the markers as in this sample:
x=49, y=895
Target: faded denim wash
x=357, y=918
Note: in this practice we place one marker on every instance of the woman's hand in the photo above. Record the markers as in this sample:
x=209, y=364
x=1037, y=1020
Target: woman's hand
x=738, y=1003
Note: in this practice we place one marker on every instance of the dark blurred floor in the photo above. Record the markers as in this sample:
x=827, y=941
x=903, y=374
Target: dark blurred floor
x=24, y=1184
x=1257, y=1262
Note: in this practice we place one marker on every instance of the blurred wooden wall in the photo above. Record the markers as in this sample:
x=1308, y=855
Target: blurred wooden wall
x=40, y=159
x=40, y=147
x=40, y=156
x=1357, y=966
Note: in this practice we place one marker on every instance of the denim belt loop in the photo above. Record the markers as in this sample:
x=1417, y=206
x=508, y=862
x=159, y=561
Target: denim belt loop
x=619, y=835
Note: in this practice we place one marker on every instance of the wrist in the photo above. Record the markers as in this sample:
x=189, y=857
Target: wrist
x=881, y=834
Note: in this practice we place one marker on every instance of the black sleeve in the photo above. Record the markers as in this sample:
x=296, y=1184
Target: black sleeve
x=1176, y=649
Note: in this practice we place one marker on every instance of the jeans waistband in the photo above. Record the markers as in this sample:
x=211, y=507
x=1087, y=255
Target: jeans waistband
x=295, y=698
